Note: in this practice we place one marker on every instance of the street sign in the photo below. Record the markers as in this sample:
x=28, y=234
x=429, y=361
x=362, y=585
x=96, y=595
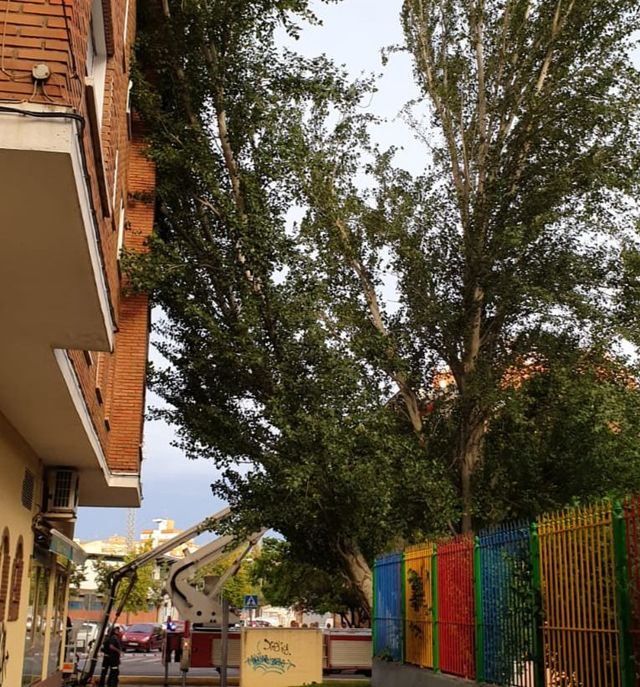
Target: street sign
x=251, y=601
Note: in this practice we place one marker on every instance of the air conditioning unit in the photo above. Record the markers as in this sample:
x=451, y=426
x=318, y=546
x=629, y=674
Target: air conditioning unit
x=61, y=493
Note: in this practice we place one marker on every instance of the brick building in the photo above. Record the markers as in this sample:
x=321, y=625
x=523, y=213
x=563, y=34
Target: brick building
x=75, y=189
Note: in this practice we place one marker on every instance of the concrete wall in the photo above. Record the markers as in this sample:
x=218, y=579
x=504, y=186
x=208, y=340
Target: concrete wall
x=15, y=457
x=280, y=657
x=389, y=674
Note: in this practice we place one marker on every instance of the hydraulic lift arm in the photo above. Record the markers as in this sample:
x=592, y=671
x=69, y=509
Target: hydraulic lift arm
x=193, y=604
x=129, y=570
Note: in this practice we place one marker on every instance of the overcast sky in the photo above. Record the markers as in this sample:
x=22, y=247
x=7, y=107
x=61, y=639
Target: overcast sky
x=353, y=33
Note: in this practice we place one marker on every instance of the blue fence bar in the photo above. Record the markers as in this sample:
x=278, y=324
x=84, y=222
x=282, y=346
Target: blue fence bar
x=508, y=605
x=388, y=604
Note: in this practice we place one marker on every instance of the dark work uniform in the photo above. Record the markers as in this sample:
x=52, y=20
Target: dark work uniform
x=111, y=661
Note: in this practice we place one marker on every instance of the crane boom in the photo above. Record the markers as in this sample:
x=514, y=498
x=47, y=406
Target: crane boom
x=192, y=604
x=130, y=569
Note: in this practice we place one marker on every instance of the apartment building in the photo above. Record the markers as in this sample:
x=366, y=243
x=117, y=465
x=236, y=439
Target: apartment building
x=76, y=189
x=164, y=531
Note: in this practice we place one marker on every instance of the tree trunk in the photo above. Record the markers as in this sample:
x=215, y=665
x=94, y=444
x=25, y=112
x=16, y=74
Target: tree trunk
x=358, y=572
x=471, y=449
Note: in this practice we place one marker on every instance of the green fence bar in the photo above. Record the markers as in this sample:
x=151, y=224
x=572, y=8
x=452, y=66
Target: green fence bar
x=479, y=611
x=374, y=615
x=536, y=591
x=434, y=610
x=627, y=671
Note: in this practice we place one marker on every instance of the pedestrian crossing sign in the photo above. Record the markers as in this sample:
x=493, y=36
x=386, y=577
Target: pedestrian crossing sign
x=251, y=601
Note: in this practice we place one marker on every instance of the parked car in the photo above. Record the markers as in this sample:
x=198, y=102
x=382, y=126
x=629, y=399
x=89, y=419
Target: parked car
x=142, y=637
x=86, y=636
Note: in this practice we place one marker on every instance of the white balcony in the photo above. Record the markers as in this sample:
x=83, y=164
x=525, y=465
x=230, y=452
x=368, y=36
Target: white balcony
x=53, y=296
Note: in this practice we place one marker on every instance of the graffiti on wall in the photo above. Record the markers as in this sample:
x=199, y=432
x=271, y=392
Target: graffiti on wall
x=271, y=656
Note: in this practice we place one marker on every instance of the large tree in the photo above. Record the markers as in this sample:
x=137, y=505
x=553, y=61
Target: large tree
x=260, y=372
x=283, y=355
x=286, y=581
x=524, y=221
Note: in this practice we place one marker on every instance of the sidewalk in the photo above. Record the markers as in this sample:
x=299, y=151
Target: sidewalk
x=158, y=681
x=141, y=681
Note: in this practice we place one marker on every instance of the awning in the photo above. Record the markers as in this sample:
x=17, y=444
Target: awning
x=65, y=547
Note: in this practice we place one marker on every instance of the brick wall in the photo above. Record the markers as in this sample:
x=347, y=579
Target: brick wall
x=56, y=32
x=128, y=370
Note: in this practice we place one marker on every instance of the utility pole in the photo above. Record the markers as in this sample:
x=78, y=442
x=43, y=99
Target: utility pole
x=224, y=643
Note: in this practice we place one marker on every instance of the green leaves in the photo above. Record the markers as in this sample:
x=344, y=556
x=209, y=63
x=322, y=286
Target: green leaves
x=146, y=589
x=289, y=583
x=339, y=333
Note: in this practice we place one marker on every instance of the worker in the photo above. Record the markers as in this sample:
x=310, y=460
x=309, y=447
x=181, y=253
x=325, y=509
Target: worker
x=112, y=648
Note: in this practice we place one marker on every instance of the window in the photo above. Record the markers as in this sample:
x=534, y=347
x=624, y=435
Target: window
x=5, y=566
x=58, y=622
x=128, y=109
x=28, y=489
x=16, y=582
x=121, y=230
x=115, y=180
x=126, y=24
x=100, y=377
x=97, y=57
x=36, y=624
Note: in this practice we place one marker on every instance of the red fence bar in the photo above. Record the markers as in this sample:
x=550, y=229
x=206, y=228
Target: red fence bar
x=456, y=620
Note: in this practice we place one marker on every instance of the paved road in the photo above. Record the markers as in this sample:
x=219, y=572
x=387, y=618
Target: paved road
x=151, y=665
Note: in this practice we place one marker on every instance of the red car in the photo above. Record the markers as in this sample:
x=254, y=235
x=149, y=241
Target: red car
x=142, y=637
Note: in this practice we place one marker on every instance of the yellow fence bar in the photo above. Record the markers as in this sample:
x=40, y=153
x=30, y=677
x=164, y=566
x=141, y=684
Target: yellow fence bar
x=578, y=583
x=419, y=605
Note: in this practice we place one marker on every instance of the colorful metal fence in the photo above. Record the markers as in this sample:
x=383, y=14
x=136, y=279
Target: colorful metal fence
x=552, y=604
x=456, y=618
x=388, y=607
x=506, y=606
x=578, y=584
x=419, y=609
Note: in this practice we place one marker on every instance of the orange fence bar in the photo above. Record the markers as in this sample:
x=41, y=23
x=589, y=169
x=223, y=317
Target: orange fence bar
x=418, y=570
x=578, y=583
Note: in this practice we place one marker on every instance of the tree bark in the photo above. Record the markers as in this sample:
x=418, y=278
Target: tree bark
x=358, y=572
x=470, y=453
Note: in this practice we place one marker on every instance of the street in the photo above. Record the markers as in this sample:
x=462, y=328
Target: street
x=150, y=665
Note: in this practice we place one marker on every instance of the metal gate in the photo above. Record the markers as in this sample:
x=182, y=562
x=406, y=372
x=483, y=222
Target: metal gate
x=507, y=605
x=456, y=622
x=578, y=584
x=388, y=607
x=419, y=611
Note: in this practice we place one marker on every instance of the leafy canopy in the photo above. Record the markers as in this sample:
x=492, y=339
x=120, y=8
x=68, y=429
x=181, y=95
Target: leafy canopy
x=283, y=354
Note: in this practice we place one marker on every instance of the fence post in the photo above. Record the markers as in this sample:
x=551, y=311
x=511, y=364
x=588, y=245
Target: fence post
x=536, y=603
x=622, y=596
x=479, y=611
x=374, y=629
x=434, y=610
x=403, y=602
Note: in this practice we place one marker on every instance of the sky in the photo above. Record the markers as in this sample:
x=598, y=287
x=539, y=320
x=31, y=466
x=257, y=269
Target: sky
x=353, y=33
